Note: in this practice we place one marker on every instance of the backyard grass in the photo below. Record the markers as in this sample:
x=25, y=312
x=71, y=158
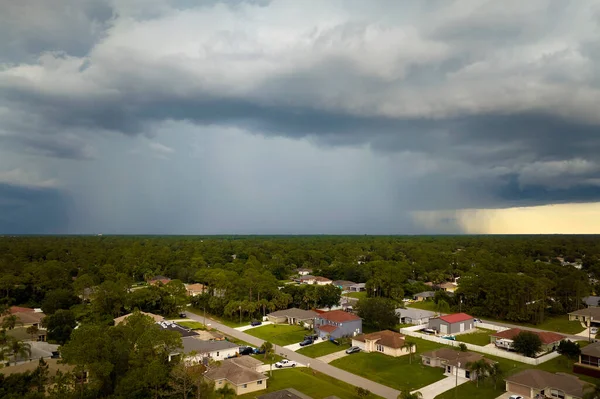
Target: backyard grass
x=481, y=337
x=270, y=360
x=425, y=305
x=309, y=382
x=561, y=324
x=229, y=323
x=322, y=349
x=279, y=334
x=194, y=325
x=357, y=295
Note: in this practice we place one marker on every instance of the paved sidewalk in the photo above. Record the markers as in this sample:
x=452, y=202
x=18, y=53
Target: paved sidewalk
x=293, y=347
x=332, y=356
x=342, y=375
x=249, y=327
x=441, y=386
x=265, y=368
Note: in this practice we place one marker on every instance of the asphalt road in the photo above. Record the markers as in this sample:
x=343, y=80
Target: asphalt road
x=352, y=379
x=508, y=325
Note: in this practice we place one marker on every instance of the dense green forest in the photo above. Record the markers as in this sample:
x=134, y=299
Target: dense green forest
x=89, y=280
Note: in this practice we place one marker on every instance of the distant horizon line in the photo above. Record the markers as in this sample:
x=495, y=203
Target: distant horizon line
x=4, y=235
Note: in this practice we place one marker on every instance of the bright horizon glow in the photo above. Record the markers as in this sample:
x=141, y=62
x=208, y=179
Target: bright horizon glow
x=546, y=219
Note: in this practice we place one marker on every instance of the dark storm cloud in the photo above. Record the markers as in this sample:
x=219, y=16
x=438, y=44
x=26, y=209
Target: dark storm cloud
x=25, y=210
x=505, y=105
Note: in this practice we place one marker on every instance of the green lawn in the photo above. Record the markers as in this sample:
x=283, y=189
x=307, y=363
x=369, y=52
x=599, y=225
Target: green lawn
x=425, y=305
x=194, y=325
x=229, y=323
x=469, y=390
x=358, y=295
x=270, y=360
x=481, y=337
x=561, y=324
x=279, y=334
x=309, y=382
x=322, y=349
x=398, y=373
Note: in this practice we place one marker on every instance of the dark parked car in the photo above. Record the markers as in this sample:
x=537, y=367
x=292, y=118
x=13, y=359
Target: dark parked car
x=312, y=337
x=182, y=315
x=246, y=350
x=354, y=349
x=306, y=342
x=259, y=351
x=255, y=323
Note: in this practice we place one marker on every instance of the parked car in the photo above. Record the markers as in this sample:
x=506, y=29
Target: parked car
x=255, y=323
x=285, y=363
x=428, y=331
x=515, y=397
x=182, y=315
x=594, y=330
x=246, y=350
x=259, y=351
x=352, y=350
x=334, y=341
x=306, y=342
x=450, y=337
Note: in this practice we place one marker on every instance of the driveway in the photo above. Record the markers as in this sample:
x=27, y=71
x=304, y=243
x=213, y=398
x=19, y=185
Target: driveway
x=332, y=356
x=352, y=379
x=441, y=386
x=293, y=347
x=505, y=395
x=264, y=368
x=248, y=327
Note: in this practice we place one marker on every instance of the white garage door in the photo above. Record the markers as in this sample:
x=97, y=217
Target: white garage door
x=443, y=329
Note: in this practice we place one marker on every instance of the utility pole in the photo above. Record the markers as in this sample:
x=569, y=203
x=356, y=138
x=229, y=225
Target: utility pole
x=204, y=315
x=240, y=307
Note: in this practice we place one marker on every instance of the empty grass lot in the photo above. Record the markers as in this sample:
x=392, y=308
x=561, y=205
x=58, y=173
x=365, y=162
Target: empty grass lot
x=486, y=390
x=395, y=372
x=425, y=305
x=309, y=382
x=480, y=337
x=194, y=325
x=322, y=349
x=279, y=334
x=357, y=295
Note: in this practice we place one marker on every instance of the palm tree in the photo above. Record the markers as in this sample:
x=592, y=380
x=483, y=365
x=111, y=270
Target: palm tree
x=226, y=392
x=19, y=348
x=409, y=345
x=9, y=322
x=269, y=351
x=33, y=331
x=496, y=373
x=408, y=395
x=480, y=368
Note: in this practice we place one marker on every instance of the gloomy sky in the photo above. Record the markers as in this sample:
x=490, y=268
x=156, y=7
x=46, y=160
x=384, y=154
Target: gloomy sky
x=267, y=117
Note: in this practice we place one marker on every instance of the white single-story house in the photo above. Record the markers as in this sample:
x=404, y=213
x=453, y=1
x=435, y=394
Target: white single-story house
x=387, y=342
x=293, y=316
x=452, y=361
x=242, y=379
x=196, y=350
x=414, y=316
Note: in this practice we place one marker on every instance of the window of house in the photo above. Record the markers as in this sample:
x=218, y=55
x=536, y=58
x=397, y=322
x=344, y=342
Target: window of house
x=245, y=386
x=217, y=354
x=380, y=348
x=221, y=382
x=427, y=361
x=259, y=382
x=555, y=393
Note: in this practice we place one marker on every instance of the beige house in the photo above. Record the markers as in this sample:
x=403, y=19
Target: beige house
x=387, y=342
x=309, y=279
x=26, y=317
x=293, y=316
x=587, y=315
x=453, y=362
x=195, y=289
x=243, y=380
x=531, y=382
x=448, y=286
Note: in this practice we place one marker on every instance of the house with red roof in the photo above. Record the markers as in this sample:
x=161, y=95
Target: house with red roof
x=503, y=339
x=456, y=323
x=338, y=323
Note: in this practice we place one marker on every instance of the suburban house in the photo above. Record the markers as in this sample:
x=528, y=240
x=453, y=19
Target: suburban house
x=357, y=287
x=195, y=350
x=246, y=361
x=550, y=340
x=21, y=334
x=159, y=279
x=303, y=271
x=243, y=380
x=195, y=289
x=452, y=323
x=423, y=296
x=414, y=316
x=171, y=326
x=591, y=301
x=53, y=367
x=156, y=317
x=344, y=285
x=448, y=286
x=337, y=324
x=289, y=393
x=452, y=361
x=532, y=382
x=586, y=315
x=308, y=279
x=589, y=361
x=387, y=342
x=293, y=316
x=26, y=317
